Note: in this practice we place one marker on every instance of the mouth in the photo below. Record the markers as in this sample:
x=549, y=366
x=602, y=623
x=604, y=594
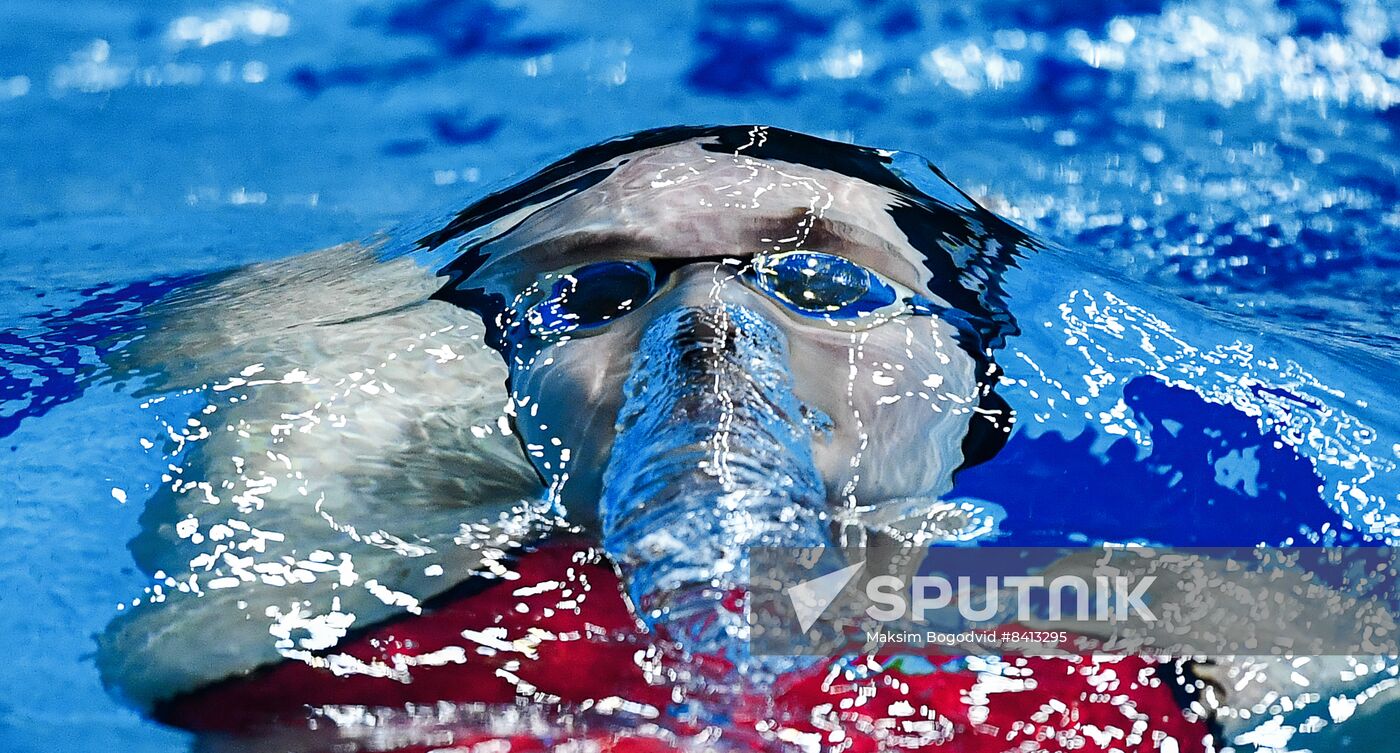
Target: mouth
x=713, y=456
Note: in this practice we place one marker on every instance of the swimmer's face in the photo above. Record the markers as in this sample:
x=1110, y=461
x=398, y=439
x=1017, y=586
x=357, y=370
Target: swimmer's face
x=888, y=391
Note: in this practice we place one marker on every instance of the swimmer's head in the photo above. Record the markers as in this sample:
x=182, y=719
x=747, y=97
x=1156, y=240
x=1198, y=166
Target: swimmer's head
x=882, y=276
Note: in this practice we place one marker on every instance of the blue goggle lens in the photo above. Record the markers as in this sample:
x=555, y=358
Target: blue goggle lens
x=823, y=285
x=590, y=296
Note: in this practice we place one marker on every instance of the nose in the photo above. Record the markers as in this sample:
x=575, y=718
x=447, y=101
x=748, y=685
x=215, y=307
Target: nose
x=713, y=285
x=721, y=312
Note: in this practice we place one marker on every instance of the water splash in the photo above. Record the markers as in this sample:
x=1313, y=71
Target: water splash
x=712, y=457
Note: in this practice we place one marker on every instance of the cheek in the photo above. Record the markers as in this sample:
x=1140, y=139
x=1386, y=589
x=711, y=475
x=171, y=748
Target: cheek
x=914, y=432
x=900, y=400
x=568, y=399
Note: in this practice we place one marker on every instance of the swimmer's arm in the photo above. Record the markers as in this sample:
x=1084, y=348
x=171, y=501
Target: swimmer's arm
x=347, y=428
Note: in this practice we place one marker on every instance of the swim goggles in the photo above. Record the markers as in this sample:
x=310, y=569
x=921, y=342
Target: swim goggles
x=810, y=284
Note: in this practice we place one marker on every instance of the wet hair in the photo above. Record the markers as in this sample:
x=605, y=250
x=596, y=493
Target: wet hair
x=965, y=247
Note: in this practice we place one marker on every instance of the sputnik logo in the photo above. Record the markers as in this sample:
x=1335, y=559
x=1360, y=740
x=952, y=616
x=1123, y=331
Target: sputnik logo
x=810, y=598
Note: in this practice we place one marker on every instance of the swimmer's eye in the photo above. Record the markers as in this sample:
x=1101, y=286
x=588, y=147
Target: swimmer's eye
x=590, y=296
x=823, y=285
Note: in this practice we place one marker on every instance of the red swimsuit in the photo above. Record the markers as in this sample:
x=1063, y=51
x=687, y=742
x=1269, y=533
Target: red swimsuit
x=560, y=638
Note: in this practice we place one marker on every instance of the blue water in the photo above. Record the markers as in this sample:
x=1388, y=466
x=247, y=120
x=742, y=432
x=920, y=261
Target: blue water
x=1243, y=156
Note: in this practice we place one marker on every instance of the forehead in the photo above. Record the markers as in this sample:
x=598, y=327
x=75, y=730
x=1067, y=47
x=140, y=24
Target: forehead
x=683, y=201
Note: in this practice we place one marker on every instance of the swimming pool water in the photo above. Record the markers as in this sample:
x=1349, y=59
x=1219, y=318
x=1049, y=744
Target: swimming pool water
x=1239, y=155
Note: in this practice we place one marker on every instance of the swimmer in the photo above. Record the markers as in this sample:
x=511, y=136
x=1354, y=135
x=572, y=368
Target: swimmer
x=425, y=459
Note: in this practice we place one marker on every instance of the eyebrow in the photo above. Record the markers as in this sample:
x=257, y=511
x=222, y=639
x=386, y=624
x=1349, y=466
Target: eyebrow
x=579, y=243
x=817, y=230
x=800, y=228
